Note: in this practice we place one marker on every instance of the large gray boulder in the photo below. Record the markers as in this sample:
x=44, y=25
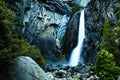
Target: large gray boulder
x=27, y=69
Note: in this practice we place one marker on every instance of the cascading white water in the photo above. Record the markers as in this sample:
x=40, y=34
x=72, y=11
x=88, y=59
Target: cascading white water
x=82, y=2
x=76, y=53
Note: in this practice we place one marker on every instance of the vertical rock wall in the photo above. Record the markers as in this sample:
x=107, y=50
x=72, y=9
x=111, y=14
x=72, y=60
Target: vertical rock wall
x=96, y=12
x=42, y=22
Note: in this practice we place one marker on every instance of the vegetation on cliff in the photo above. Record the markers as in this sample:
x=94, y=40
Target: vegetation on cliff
x=107, y=64
x=12, y=44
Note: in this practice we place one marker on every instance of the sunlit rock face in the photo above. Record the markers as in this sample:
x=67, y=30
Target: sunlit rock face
x=44, y=23
x=26, y=68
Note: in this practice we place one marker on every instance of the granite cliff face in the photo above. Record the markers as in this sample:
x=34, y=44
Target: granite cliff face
x=47, y=25
x=96, y=12
x=26, y=68
x=44, y=24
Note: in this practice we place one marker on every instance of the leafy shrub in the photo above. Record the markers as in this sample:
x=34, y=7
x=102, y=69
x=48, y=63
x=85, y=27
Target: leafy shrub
x=118, y=18
x=105, y=66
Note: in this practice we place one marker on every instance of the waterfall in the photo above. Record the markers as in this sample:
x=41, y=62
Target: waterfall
x=82, y=2
x=76, y=53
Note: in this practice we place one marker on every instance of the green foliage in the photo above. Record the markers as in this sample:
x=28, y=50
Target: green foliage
x=105, y=66
x=11, y=2
x=107, y=37
x=27, y=50
x=118, y=17
x=76, y=8
x=111, y=41
x=12, y=44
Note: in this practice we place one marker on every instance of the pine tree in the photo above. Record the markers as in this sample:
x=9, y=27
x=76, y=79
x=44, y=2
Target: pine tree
x=105, y=66
x=12, y=44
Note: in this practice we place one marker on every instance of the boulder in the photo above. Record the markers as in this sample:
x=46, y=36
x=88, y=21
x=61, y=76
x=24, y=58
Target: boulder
x=27, y=69
x=118, y=77
x=61, y=74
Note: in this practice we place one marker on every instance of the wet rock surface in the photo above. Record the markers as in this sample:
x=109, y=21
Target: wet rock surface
x=79, y=72
x=26, y=68
x=71, y=35
x=96, y=13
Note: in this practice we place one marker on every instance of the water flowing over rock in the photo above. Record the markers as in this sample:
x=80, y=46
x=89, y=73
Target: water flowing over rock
x=76, y=53
x=27, y=69
x=82, y=2
x=96, y=12
x=44, y=24
x=70, y=38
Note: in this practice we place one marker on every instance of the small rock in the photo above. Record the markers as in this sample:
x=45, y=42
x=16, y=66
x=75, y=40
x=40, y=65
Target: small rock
x=97, y=78
x=61, y=74
x=87, y=75
x=92, y=73
x=50, y=76
x=66, y=67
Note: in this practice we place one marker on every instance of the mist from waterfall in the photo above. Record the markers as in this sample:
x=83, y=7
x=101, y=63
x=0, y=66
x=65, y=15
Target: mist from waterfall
x=76, y=53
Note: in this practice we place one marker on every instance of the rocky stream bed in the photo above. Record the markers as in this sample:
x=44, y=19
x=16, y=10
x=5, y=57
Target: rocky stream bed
x=62, y=72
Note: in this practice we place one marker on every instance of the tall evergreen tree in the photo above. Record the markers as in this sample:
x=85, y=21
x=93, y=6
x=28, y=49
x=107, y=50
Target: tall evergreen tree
x=12, y=44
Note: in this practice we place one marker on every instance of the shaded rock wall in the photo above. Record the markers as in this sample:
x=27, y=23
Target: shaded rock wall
x=96, y=12
x=70, y=38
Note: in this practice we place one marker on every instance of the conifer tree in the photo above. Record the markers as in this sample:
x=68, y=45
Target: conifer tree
x=12, y=44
